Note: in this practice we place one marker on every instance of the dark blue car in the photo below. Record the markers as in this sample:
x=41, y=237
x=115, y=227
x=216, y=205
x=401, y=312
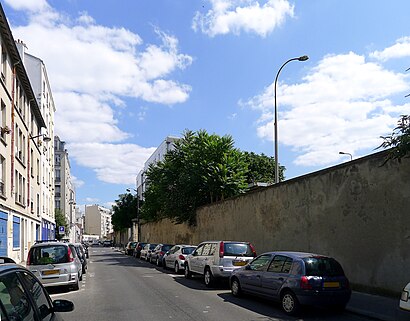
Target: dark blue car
x=294, y=279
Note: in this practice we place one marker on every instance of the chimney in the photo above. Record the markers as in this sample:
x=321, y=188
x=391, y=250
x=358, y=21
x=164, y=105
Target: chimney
x=21, y=47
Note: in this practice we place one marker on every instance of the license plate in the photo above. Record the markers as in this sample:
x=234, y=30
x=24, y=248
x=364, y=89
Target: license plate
x=331, y=285
x=50, y=272
x=239, y=263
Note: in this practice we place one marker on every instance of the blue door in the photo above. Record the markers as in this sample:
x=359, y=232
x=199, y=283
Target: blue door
x=3, y=233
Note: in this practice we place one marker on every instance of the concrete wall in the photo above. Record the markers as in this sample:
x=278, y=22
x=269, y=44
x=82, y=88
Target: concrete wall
x=358, y=212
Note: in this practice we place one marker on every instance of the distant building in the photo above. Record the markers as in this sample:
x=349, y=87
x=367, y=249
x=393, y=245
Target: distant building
x=98, y=221
x=64, y=187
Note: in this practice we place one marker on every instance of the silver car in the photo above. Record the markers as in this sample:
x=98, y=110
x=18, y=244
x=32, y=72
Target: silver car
x=175, y=257
x=55, y=264
x=217, y=259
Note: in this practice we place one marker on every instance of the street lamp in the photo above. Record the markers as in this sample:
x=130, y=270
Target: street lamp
x=301, y=58
x=138, y=214
x=46, y=139
x=343, y=153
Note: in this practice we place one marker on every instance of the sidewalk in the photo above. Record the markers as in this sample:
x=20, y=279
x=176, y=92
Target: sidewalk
x=373, y=306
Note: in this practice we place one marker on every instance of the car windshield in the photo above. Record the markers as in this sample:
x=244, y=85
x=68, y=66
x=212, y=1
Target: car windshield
x=237, y=249
x=166, y=247
x=152, y=246
x=51, y=254
x=187, y=250
x=322, y=266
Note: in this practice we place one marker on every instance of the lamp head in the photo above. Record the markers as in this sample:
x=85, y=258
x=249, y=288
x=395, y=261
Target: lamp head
x=303, y=58
x=46, y=139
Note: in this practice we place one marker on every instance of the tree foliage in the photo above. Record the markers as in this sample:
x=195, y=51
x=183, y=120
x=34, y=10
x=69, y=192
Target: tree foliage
x=261, y=168
x=398, y=140
x=201, y=169
x=61, y=221
x=124, y=210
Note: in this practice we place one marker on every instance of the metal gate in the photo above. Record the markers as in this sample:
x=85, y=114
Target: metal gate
x=3, y=233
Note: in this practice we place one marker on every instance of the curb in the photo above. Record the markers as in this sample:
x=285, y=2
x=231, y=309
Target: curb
x=373, y=315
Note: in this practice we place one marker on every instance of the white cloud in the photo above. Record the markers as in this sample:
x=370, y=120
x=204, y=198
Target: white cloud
x=92, y=70
x=31, y=5
x=234, y=16
x=112, y=163
x=77, y=182
x=341, y=105
x=92, y=200
x=399, y=50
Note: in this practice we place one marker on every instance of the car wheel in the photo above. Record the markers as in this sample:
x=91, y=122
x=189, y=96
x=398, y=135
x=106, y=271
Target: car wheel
x=76, y=286
x=236, y=287
x=290, y=303
x=208, y=278
x=176, y=268
x=187, y=272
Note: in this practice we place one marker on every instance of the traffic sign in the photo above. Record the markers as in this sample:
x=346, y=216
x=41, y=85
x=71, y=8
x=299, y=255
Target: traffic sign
x=61, y=230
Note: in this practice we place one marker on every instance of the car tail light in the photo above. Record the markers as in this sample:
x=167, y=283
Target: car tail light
x=181, y=257
x=28, y=258
x=304, y=283
x=252, y=249
x=70, y=255
x=161, y=253
x=221, y=249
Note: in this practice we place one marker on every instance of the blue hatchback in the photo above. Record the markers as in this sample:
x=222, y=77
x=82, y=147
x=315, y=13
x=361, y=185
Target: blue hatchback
x=294, y=279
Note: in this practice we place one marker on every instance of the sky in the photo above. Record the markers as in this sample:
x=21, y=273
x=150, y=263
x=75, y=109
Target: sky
x=126, y=74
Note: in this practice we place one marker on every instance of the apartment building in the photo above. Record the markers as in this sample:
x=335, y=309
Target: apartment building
x=22, y=141
x=37, y=73
x=64, y=193
x=98, y=221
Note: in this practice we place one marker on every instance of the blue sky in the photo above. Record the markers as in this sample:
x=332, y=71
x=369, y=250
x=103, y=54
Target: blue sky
x=125, y=74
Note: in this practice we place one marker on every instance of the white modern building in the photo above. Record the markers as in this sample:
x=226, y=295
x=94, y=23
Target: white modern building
x=167, y=145
x=37, y=73
x=98, y=221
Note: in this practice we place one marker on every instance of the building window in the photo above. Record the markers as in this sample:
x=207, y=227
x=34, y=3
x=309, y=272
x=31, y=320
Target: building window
x=16, y=232
x=3, y=120
x=2, y=175
x=3, y=64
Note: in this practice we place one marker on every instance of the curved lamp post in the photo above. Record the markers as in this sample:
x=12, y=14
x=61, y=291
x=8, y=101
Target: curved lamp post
x=301, y=58
x=344, y=153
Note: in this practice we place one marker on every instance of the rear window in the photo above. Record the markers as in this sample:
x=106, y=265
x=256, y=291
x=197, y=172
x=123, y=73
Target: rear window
x=51, y=254
x=166, y=247
x=187, y=250
x=152, y=246
x=322, y=266
x=237, y=249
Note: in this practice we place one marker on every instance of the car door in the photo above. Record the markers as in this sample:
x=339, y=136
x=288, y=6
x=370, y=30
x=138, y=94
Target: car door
x=15, y=299
x=170, y=258
x=276, y=274
x=251, y=275
x=194, y=260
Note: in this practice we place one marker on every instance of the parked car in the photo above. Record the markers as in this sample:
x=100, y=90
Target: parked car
x=55, y=264
x=147, y=250
x=85, y=247
x=403, y=312
x=129, y=248
x=158, y=253
x=107, y=243
x=138, y=248
x=175, y=257
x=217, y=259
x=81, y=255
x=24, y=298
x=6, y=259
x=294, y=279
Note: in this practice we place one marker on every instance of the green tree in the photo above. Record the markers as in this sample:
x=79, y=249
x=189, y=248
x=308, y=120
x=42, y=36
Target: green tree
x=261, y=168
x=61, y=221
x=203, y=168
x=398, y=140
x=124, y=210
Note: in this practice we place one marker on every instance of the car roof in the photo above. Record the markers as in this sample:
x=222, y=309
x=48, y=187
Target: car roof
x=293, y=254
x=4, y=267
x=50, y=243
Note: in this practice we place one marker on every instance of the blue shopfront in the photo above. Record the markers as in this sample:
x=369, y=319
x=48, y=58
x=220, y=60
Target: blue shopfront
x=48, y=230
x=3, y=233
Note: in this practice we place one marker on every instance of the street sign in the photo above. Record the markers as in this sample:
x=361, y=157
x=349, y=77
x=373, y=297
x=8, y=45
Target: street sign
x=61, y=230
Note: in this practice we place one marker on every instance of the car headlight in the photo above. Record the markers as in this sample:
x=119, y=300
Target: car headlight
x=404, y=296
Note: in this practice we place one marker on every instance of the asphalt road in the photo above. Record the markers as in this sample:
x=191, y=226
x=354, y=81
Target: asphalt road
x=119, y=287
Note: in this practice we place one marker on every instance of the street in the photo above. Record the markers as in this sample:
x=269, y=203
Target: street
x=120, y=287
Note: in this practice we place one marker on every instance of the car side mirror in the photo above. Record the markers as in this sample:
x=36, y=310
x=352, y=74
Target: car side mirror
x=167, y=252
x=63, y=306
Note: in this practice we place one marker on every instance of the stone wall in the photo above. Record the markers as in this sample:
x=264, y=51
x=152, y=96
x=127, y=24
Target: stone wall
x=357, y=212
